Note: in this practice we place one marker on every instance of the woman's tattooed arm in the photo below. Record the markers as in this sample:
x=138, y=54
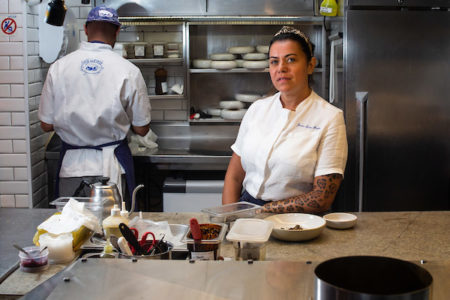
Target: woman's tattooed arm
x=319, y=199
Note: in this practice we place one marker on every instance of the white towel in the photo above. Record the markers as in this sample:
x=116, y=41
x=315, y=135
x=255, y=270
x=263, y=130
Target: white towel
x=112, y=167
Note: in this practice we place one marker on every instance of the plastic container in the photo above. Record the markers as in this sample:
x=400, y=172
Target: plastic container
x=208, y=248
x=159, y=49
x=328, y=8
x=111, y=223
x=60, y=249
x=36, y=263
x=249, y=237
x=95, y=207
x=140, y=49
x=230, y=212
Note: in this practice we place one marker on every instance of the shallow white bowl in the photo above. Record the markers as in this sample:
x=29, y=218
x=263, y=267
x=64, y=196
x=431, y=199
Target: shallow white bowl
x=312, y=226
x=241, y=49
x=340, y=220
x=201, y=63
x=247, y=97
x=232, y=114
x=223, y=64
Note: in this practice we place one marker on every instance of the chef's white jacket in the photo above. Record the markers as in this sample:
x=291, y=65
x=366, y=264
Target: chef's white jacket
x=91, y=96
x=282, y=151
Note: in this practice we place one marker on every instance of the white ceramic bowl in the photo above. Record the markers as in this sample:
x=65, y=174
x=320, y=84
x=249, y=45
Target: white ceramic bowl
x=255, y=56
x=256, y=64
x=340, y=220
x=247, y=97
x=241, y=49
x=231, y=104
x=214, y=111
x=311, y=226
x=223, y=64
x=222, y=56
x=262, y=49
x=229, y=114
x=201, y=63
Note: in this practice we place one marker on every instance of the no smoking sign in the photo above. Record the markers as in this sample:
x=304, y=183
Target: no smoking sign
x=9, y=26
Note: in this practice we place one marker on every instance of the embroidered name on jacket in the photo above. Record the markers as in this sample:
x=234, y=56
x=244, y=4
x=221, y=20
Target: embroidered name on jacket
x=91, y=66
x=307, y=126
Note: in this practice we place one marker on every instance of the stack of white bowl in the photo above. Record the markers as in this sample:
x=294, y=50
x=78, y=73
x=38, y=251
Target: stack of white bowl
x=232, y=110
x=256, y=60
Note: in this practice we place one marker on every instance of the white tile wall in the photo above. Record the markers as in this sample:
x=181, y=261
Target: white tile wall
x=15, y=6
x=5, y=90
x=4, y=62
x=11, y=76
x=20, y=174
x=13, y=160
x=14, y=187
x=3, y=7
x=6, y=173
x=16, y=62
x=17, y=90
x=10, y=132
x=19, y=146
x=7, y=201
x=6, y=146
x=12, y=104
x=22, y=201
x=5, y=119
x=18, y=119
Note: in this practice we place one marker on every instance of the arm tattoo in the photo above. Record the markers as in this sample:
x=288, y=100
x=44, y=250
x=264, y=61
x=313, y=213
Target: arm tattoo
x=319, y=199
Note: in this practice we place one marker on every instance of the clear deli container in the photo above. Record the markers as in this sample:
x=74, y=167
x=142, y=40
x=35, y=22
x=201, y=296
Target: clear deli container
x=206, y=248
x=37, y=261
x=230, y=212
x=97, y=208
x=249, y=237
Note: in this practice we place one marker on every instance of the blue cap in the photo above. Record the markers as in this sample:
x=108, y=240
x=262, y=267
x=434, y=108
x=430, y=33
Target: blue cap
x=103, y=14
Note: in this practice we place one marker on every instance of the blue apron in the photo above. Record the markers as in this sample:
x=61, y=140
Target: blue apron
x=249, y=198
x=122, y=153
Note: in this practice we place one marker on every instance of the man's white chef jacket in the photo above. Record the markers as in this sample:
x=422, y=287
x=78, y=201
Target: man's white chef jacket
x=91, y=96
x=282, y=151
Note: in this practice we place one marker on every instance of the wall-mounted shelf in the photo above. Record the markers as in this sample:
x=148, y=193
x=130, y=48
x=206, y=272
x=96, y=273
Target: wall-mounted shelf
x=236, y=70
x=214, y=120
x=166, y=97
x=157, y=61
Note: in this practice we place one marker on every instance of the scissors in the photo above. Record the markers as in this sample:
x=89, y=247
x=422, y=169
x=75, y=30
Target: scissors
x=143, y=240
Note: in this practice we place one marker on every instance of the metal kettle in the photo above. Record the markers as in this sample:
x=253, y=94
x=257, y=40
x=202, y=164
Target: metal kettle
x=107, y=193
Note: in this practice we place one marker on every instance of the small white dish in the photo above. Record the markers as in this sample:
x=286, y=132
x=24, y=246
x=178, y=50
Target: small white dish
x=233, y=114
x=241, y=49
x=250, y=230
x=340, y=220
x=223, y=64
x=285, y=226
x=247, y=97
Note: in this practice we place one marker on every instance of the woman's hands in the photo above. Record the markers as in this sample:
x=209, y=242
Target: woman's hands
x=233, y=180
x=318, y=200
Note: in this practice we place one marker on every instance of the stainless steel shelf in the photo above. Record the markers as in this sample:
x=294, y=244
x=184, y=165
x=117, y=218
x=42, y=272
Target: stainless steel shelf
x=166, y=97
x=156, y=61
x=239, y=70
x=214, y=120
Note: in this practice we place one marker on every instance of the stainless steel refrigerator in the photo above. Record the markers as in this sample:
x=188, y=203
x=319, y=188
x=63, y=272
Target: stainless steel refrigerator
x=397, y=105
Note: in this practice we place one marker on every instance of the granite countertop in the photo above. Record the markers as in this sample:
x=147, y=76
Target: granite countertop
x=412, y=236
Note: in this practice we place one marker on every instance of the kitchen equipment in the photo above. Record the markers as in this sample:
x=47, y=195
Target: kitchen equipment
x=145, y=245
x=111, y=224
x=340, y=220
x=385, y=90
x=230, y=212
x=33, y=259
x=249, y=237
x=185, y=195
x=60, y=248
x=22, y=250
x=371, y=278
x=163, y=251
x=209, y=246
x=97, y=208
x=131, y=239
x=296, y=226
x=201, y=63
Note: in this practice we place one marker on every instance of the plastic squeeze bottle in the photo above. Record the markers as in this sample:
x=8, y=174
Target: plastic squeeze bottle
x=111, y=223
x=328, y=8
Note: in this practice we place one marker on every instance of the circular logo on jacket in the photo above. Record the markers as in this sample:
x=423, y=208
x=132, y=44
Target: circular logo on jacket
x=91, y=66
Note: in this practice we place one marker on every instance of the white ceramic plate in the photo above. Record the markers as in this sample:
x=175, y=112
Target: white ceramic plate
x=311, y=226
x=231, y=104
x=340, y=220
x=214, y=111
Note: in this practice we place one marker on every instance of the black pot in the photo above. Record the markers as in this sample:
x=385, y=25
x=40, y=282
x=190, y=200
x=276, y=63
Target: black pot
x=370, y=278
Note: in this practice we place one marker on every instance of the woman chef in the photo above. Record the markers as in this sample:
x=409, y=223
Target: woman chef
x=91, y=98
x=291, y=150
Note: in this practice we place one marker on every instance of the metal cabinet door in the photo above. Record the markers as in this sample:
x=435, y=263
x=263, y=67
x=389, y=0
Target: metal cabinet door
x=401, y=58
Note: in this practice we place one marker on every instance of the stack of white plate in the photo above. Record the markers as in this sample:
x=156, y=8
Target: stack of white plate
x=223, y=61
x=255, y=60
x=232, y=110
x=247, y=97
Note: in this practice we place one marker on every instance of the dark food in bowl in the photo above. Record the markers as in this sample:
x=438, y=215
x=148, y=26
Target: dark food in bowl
x=296, y=227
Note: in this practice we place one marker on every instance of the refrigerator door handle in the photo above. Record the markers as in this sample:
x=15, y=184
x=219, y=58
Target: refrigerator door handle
x=361, y=100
